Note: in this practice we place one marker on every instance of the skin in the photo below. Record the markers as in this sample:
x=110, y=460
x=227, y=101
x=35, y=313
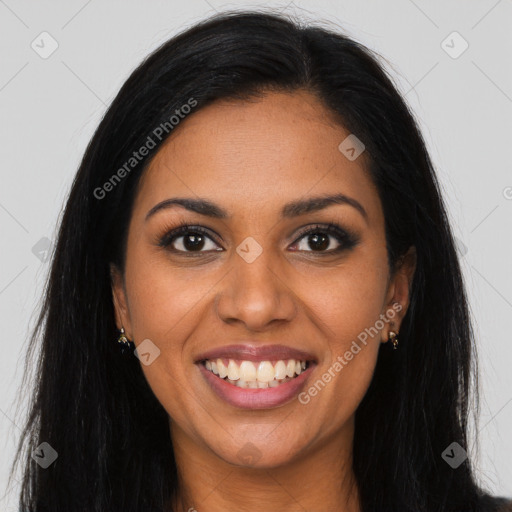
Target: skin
x=251, y=158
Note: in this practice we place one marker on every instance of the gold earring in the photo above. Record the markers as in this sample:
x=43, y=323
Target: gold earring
x=393, y=338
x=123, y=342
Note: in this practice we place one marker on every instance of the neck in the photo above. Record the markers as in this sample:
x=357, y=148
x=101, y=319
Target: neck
x=320, y=479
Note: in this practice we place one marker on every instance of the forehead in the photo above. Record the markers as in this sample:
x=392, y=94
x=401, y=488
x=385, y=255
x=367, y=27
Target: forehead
x=265, y=151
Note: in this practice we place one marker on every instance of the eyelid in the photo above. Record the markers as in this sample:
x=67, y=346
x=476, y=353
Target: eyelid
x=345, y=237
x=171, y=234
x=319, y=226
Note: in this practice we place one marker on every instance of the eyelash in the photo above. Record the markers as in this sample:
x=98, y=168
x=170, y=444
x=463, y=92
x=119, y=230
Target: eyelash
x=346, y=239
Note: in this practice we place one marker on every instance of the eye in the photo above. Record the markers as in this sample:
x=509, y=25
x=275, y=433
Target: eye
x=321, y=239
x=325, y=239
x=189, y=239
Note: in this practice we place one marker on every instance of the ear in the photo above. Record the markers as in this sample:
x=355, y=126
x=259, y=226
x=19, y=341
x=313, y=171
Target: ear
x=120, y=301
x=398, y=296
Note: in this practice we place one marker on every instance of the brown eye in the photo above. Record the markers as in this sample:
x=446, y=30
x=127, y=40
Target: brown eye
x=325, y=239
x=189, y=239
x=318, y=241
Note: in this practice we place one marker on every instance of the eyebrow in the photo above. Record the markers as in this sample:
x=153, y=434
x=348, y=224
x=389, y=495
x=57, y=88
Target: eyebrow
x=289, y=210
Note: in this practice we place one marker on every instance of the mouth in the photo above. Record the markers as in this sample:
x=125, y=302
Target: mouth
x=252, y=377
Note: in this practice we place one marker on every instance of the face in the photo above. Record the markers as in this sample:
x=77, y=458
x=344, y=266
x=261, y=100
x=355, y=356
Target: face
x=266, y=277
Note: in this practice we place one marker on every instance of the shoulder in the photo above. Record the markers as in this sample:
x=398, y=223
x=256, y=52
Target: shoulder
x=503, y=505
x=494, y=504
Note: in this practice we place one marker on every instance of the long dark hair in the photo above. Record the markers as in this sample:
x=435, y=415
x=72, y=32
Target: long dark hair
x=95, y=408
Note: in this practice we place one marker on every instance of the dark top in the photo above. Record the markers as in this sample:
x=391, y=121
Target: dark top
x=490, y=504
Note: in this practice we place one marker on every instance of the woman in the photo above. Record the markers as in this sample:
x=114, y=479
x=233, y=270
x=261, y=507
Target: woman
x=257, y=225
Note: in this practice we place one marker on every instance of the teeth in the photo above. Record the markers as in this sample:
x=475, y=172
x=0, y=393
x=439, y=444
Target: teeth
x=248, y=371
x=254, y=384
x=256, y=375
x=280, y=370
x=266, y=371
x=223, y=371
x=233, y=370
x=290, y=368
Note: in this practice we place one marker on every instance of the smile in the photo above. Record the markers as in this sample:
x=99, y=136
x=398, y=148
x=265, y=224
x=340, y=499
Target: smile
x=253, y=393
x=260, y=375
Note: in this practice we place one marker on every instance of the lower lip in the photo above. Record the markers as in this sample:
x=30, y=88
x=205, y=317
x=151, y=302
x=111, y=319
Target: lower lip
x=249, y=398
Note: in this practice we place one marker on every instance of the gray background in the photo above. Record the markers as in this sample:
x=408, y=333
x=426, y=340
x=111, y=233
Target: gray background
x=50, y=108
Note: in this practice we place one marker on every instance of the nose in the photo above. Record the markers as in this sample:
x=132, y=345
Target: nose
x=255, y=295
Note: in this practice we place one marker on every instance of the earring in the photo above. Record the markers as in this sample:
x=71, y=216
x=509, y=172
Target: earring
x=124, y=343
x=393, y=338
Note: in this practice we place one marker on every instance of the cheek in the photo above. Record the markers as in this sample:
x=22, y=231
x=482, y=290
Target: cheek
x=347, y=301
x=161, y=297
x=164, y=306
x=347, y=306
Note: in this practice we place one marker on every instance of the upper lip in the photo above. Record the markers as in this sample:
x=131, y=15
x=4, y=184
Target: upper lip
x=255, y=353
